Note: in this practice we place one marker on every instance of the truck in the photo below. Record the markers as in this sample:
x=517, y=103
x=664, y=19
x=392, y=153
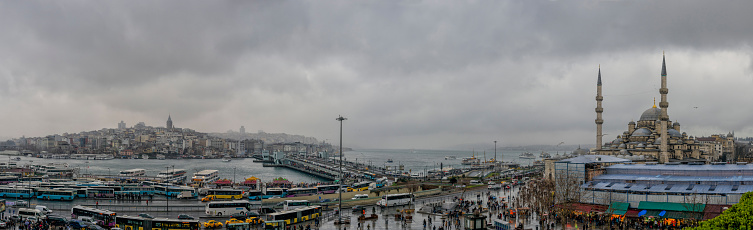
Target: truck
x=185, y=195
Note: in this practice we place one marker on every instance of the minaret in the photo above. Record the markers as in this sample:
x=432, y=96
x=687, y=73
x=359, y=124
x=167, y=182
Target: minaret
x=599, y=110
x=664, y=155
x=169, y=122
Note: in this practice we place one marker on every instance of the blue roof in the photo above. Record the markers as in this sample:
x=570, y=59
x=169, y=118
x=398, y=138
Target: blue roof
x=662, y=188
x=670, y=178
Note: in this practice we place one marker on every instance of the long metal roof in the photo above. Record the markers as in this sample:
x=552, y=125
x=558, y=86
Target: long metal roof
x=666, y=188
x=585, y=159
x=730, y=167
x=671, y=178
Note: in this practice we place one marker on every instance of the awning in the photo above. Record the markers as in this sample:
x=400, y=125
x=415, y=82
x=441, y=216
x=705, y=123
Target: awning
x=683, y=215
x=618, y=208
x=632, y=213
x=669, y=206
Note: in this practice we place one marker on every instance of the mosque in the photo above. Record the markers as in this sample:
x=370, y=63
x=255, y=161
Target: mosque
x=654, y=137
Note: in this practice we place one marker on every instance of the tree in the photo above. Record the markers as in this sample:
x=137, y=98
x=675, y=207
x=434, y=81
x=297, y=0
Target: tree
x=736, y=217
x=453, y=180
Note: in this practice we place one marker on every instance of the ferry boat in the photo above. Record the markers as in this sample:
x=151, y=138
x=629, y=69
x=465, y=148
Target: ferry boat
x=205, y=176
x=545, y=155
x=469, y=160
x=527, y=155
x=226, y=159
x=389, y=160
x=173, y=175
x=17, y=159
x=133, y=172
x=450, y=157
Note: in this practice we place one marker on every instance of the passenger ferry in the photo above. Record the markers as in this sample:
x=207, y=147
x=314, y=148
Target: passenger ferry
x=450, y=157
x=205, y=176
x=133, y=172
x=173, y=175
x=470, y=161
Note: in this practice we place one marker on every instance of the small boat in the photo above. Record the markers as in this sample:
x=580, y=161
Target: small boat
x=527, y=155
x=389, y=160
x=545, y=155
x=17, y=159
x=226, y=159
x=450, y=157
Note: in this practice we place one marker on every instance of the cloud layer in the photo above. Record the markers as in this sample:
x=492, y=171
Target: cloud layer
x=415, y=74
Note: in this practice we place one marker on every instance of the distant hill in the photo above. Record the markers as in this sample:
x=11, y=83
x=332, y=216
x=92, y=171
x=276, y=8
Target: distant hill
x=267, y=137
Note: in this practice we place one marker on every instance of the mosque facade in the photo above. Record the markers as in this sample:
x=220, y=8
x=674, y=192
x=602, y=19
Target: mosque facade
x=654, y=137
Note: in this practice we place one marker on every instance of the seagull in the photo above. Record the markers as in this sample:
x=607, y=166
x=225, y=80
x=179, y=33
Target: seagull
x=695, y=107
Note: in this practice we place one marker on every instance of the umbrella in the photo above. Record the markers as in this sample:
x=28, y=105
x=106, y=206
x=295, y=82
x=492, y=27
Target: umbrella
x=662, y=213
x=641, y=213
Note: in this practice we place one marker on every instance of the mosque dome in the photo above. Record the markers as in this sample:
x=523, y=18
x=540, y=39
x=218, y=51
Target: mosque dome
x=642, y=132
x=631, y=123
x=676, y=123
x=622, y=146
x=651, y=114
x=674, y=133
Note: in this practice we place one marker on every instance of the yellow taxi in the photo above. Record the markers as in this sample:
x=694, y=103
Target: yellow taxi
x=207, y=198
x=212, y=224
x=233, y=221
x=254, y=220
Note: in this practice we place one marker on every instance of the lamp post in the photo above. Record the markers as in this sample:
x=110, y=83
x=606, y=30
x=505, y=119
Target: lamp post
x=167, y=195
x=234, y=175
x=495, y=152
x=339, y=190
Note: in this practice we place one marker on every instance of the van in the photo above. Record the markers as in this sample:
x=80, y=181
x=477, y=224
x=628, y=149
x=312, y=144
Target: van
x=44, y=209
x=360, y=196
x=475, y=182
x=25, y=213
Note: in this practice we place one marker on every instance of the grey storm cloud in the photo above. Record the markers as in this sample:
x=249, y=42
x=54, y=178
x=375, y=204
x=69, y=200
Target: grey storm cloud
x=407, y=74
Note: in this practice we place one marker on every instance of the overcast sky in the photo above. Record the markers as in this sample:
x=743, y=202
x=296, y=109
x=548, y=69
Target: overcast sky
x=406, y=74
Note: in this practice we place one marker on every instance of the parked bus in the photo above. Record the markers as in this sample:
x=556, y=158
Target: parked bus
x=327, y=189
x=231, y=194
x=55, y=194
x=100, y=192
x=226, y=208
x=172, y=191
x=103, y=218
x=296, y=192
x=8, y=179
x=360, y=186
x=254, y=194
x=275, y=193
x=140, y=223
x=293, y=204
x=296, y=215
x=370, y=176
x=395, y=199
x=16, y=192
x=139, y=189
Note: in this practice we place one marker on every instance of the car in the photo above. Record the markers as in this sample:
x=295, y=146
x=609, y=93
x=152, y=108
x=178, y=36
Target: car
x=3, y=224
x=94, y=227
x=56, y=220
x=185, y=217
x=15, y=218
x=212, y=224
x=243, y=216
x=358, y=208
x=207, y=199
x=76, y=224
x=144, y=215
x=233, y=221
x=21, y=203
x=254, y=220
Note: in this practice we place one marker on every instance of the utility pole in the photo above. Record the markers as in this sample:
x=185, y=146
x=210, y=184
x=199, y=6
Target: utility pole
x=339, y=190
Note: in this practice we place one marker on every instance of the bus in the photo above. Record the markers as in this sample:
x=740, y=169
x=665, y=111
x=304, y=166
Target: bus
x=104, y=218
x=296, y=215
x=140, y=223
x=172, y=191
x=293, y=204
x=16, y=192
x=138, y=189
x=327, y=189
x=8, y=179
x=370, y=176
x=55, y=194
x=296, y=192
x=226, y=208
x=360, y=186
x=275, y=193
x=100, y=192
x=254, y=194
x=395, y=199
x=232, y=194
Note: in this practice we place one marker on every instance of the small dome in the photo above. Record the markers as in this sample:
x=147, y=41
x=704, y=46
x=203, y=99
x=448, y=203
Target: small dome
x=676, y=123
x=657, y=141
x=641, y=145
x=674, y=133
x=651, y=114
x=622, y=146
x=617, y=141
x=642, y=132
x=631, y=123
x=651, y=146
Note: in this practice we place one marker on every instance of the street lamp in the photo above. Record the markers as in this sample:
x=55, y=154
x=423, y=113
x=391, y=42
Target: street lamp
x=234, y=175
x=339, y=190
x=495, y=152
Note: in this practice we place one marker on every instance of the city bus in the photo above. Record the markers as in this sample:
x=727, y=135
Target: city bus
x=138, y=189
x=8, y=179
x=173, y=191
x=360, y=186
x=100, y=192
x=275, y=193
x=55, y=194
x=327, y=189
x=16, y=192
x=296, y=215
x=370, y=176
x=140, y=223
x=231, y=194
x=103, y=218
x=254, y=194
x=293, y=204
x=226, y=208
x=395, y=199
x=296, y=192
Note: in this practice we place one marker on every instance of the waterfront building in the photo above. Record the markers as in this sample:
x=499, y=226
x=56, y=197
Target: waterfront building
x=654, y=137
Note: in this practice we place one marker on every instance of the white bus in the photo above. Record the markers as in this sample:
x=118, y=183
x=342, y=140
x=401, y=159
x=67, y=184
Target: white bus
x=226, y=208
x=28, y=212
x=293, y=204
x=395, y=199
